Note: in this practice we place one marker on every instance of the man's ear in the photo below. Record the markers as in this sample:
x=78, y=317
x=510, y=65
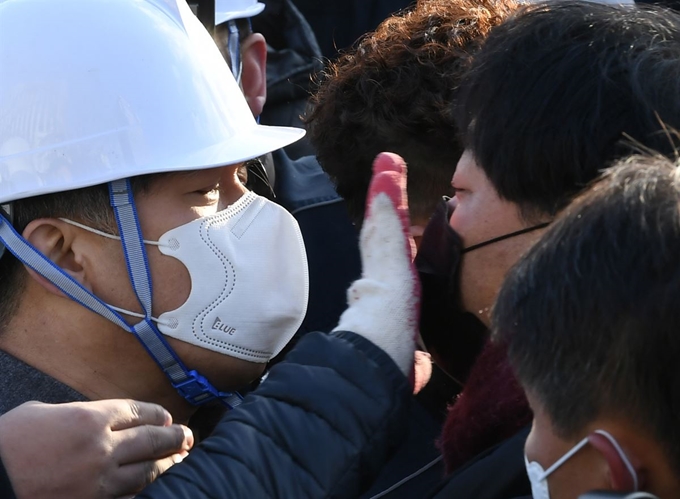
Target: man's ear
x=254, y=74
x=55, y=239
x=623, y=478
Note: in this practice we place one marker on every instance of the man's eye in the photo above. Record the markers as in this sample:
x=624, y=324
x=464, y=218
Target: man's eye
x=208, y=190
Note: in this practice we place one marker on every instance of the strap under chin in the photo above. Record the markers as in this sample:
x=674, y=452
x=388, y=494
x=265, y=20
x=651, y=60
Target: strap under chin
x=190, y=384
x=196, y=389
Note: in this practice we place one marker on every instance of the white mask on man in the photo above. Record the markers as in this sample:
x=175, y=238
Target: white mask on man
x=539, y=477
x=249, y=276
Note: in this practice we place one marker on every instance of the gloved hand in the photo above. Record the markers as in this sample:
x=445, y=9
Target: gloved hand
x=383, y=305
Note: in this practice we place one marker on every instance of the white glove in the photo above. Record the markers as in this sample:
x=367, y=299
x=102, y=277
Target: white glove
x=383, y=305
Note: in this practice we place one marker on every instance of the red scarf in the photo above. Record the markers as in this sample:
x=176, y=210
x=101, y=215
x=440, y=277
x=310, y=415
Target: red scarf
x=490, y=409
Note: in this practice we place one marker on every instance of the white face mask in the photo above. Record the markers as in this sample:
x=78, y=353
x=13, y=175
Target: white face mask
x=539, y=477
x=249, y=279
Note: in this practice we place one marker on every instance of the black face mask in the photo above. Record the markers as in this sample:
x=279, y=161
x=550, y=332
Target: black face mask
x=452, y=336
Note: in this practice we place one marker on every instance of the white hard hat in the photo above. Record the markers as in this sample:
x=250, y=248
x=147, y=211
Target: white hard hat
x=98, y=90
x=226, y=10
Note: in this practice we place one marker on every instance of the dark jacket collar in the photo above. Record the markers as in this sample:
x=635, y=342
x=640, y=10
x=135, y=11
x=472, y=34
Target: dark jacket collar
x=23, y=383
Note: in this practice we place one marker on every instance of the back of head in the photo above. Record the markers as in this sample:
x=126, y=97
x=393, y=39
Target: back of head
x=591, y=314
x=393, y=91
x=557, y=90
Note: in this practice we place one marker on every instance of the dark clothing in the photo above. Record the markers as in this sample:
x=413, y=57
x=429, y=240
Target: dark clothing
x=321, y=425
x=6, y=491
x=338, y=24
x=498, y=473
x=24, y=383
x=331, y=240
x=324, y=424
x=671, y=4
x=417, y=454
x=293, y=56
x=301, y=184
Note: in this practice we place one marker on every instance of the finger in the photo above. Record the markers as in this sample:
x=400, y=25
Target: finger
x=389, y=162
x=130, y=479
x=130, y=413
x=145, y=443
x=389, y=177
x=385, y=251
x=387, y=202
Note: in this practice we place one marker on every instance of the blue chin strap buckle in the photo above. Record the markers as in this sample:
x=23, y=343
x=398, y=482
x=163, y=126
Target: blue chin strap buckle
x=197, y=391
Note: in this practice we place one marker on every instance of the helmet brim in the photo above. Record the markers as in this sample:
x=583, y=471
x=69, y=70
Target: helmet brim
x=228, y=15
x=253, y=142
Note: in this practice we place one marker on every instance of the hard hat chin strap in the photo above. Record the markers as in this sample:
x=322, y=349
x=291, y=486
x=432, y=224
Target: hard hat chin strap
x=193, y=387
x=234, y=49
x=7, y=212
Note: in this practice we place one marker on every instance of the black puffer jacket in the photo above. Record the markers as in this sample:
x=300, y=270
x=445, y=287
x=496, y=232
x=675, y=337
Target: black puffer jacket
x=320, y=426
x=323, y=425
x=6, y=490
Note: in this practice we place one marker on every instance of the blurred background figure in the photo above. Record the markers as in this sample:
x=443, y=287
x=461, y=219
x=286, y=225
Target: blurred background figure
x=338, y=24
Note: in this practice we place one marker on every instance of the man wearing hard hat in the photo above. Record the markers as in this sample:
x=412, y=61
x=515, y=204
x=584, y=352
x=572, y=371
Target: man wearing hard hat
x=135, y=264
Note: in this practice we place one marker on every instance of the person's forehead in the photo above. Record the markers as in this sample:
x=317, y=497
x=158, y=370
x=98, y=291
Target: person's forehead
x=466, y=163
x=468, y=170
x=160, y=180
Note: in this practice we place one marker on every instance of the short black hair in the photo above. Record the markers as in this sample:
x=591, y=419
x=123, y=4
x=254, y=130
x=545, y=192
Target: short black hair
x=557, y=91
x=591, y=314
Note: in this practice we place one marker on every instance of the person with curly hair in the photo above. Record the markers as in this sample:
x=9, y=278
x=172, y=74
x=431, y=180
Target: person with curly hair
x=394, y=91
